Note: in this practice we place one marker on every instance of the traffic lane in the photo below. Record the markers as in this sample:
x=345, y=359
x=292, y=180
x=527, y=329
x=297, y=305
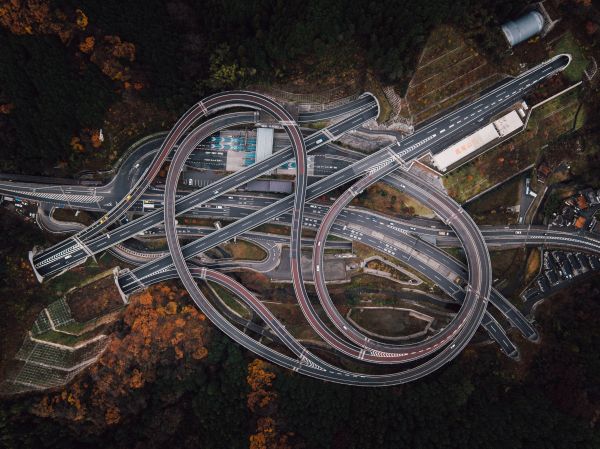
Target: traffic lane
x=362, y=101
x=391, y=228
x=391, y=351
x=412, y=138
x=105, y=240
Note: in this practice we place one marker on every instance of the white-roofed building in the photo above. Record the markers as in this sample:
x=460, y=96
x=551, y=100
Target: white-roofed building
x=465, y=147
x=264, y=143
x=508, y=124
x=470, y=145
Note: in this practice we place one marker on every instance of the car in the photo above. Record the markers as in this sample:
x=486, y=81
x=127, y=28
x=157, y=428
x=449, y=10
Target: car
x=319, y=141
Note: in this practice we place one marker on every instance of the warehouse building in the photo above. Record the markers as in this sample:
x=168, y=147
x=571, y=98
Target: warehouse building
x=476, y=143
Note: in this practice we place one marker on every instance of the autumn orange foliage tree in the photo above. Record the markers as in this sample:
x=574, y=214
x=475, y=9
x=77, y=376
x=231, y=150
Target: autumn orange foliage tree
x=266, y=436
x=23, y=17
x=87, y=45
x=157, y=329
x=6, y=108
x=261, y=400
x=259, y=379
x=109, y=53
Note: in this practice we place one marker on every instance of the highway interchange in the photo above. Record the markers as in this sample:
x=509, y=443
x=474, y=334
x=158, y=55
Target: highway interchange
x=414, y=242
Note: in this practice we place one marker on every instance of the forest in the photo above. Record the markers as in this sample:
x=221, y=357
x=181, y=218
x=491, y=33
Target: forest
x=225, y=398
x=65, y=64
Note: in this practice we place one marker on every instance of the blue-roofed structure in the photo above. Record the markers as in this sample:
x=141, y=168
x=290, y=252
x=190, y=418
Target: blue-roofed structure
x=523, y=28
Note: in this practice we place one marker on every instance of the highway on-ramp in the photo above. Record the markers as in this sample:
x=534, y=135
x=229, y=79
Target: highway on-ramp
x=206, y=117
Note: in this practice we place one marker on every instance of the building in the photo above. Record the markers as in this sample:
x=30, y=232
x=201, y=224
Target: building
x=567, y=269
x=523, y=28
x=264, y=143
x=471, y=145
x=543, y=284
x=583, y=261
x=552, y=277
x=574, y=262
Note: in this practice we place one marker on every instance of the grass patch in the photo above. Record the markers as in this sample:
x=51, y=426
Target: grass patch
x=317, y=125
x=243, y=250
x=491, y=207
x=568, y=44
x=273, y=229
x=73, y=327
x=579, y=118
x=387, y=322
x=74, y=277
x=78, y=275
x=385, y=108
x=457, y=253
x=546, y=124
x=63, y=339
x=385, y=199
x=231, y=300
x=503, y=261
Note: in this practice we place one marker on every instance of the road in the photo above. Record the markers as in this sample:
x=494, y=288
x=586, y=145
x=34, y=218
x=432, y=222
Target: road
x=371, y=224
x=69, y=253
x=297, y=277
x=181, y=141
x=431, y=138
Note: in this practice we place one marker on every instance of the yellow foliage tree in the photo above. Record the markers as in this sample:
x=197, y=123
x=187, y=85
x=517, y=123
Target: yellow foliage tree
x=76, y=144
x=95, y=139
x=81, y=19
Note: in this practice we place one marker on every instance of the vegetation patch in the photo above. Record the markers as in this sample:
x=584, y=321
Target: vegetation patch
x=231, y=301
x=385, y=108
x=384, y=267
x=383, y=198
x=451, y=69
x=492, y=207
x=388, y=322
x=546, y=124
x=243, y=250
x=569, y=44
x=70, y=215
x=532, y=267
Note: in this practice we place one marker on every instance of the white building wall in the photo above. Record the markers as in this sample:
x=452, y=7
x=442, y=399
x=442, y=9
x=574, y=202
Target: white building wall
x=264, y=143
